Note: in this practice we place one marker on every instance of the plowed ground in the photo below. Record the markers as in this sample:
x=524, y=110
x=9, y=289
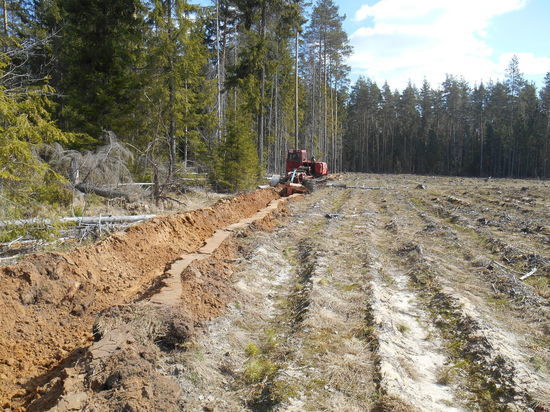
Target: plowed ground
x=397, y=299
x=49, y=302
x=383, y=293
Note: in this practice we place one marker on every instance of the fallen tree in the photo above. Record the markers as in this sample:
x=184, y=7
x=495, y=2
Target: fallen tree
x=88, y=220
x=101, y=191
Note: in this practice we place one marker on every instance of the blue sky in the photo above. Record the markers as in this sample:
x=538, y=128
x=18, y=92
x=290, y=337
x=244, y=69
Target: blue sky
x=398, y=40
x=402, y=40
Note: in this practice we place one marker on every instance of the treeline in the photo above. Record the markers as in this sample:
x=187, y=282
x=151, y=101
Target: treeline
x=213, y=89
x=499, y=129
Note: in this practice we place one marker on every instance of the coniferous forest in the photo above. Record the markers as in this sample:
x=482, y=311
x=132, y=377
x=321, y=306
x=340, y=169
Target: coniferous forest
x=225, y=90
x=499, y=129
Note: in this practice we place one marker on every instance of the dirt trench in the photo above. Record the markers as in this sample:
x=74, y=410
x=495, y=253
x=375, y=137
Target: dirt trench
x=354, y=299
x=49, y=302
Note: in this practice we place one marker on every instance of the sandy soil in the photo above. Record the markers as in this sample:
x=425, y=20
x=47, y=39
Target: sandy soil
x=396, y=299
x=49, y=302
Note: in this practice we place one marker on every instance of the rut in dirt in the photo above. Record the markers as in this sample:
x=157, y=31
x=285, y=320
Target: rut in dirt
x=486, y=362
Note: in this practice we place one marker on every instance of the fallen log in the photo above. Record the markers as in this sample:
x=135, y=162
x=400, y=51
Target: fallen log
x=80, y=220
x=94, y=220
x=103, y=192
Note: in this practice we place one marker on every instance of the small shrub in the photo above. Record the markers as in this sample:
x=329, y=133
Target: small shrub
x=271, y=341
x=252, y=350
x=282, y=390
x=259, y=369
x=447, y=375
x=54, y=194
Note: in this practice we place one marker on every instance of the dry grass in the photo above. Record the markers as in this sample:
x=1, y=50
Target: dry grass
x=392, y=403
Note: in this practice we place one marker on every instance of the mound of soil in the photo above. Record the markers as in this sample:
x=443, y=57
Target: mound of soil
x=125, y=369
x=49, y=302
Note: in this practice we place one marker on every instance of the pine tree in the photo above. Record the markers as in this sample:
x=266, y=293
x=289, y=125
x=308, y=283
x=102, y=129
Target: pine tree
x=454, y=129
x=327, y=46
x=426, y=105
x=479, y=113
x=515, y=83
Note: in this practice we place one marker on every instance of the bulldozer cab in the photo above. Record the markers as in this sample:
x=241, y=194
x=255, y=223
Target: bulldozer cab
x=295, y=159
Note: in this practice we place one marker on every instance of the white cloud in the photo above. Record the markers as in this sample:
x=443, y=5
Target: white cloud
x=529, y=64
x=412, y=40
x=397, y=9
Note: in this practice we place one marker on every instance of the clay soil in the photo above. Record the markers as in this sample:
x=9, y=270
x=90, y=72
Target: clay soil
x=375, y=292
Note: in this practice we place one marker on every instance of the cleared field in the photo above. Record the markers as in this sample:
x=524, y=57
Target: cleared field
x=402, y=298
x=376, y=292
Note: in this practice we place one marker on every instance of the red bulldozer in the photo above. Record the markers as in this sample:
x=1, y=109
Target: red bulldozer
x=300, y=172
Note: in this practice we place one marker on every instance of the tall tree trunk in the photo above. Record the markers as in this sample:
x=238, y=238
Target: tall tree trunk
x=337, y=164
x=313, y=101
x=276, y=126
x=367, y=142
x=269, y=126
x=324, y=146
x=261, y=137
x=218, y=73
x=5, y=5
x=235, y=54
x=171, y=103
x=186, y=151
x=333, y=132
x=296, y=120
x=482, y=135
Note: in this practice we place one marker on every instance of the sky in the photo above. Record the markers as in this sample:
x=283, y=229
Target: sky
x=401, y=40
x=411, y=40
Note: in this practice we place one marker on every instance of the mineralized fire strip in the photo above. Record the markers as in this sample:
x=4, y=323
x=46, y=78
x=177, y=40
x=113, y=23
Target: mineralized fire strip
x=171, y=293
x=50, y=300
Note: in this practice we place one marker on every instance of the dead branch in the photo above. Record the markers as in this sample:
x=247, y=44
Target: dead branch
x=93, y=220
x=104, y=166
x=531, y=273
x=172, y=199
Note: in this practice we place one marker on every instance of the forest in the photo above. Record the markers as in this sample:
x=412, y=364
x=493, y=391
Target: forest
x=172, y=86
x=499, y=129
x=96, y=92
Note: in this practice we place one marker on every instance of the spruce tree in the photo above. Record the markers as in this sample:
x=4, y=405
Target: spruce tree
x=25, y=126
x=99, y=50
x=176, y=94
x=237, y=160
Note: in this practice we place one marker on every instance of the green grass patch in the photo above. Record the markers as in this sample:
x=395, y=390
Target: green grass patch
x=402, y=328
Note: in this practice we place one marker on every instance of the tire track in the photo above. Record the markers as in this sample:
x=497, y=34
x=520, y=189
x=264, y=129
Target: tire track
x=497, y=369
x=334, y=362
x=411, y=353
